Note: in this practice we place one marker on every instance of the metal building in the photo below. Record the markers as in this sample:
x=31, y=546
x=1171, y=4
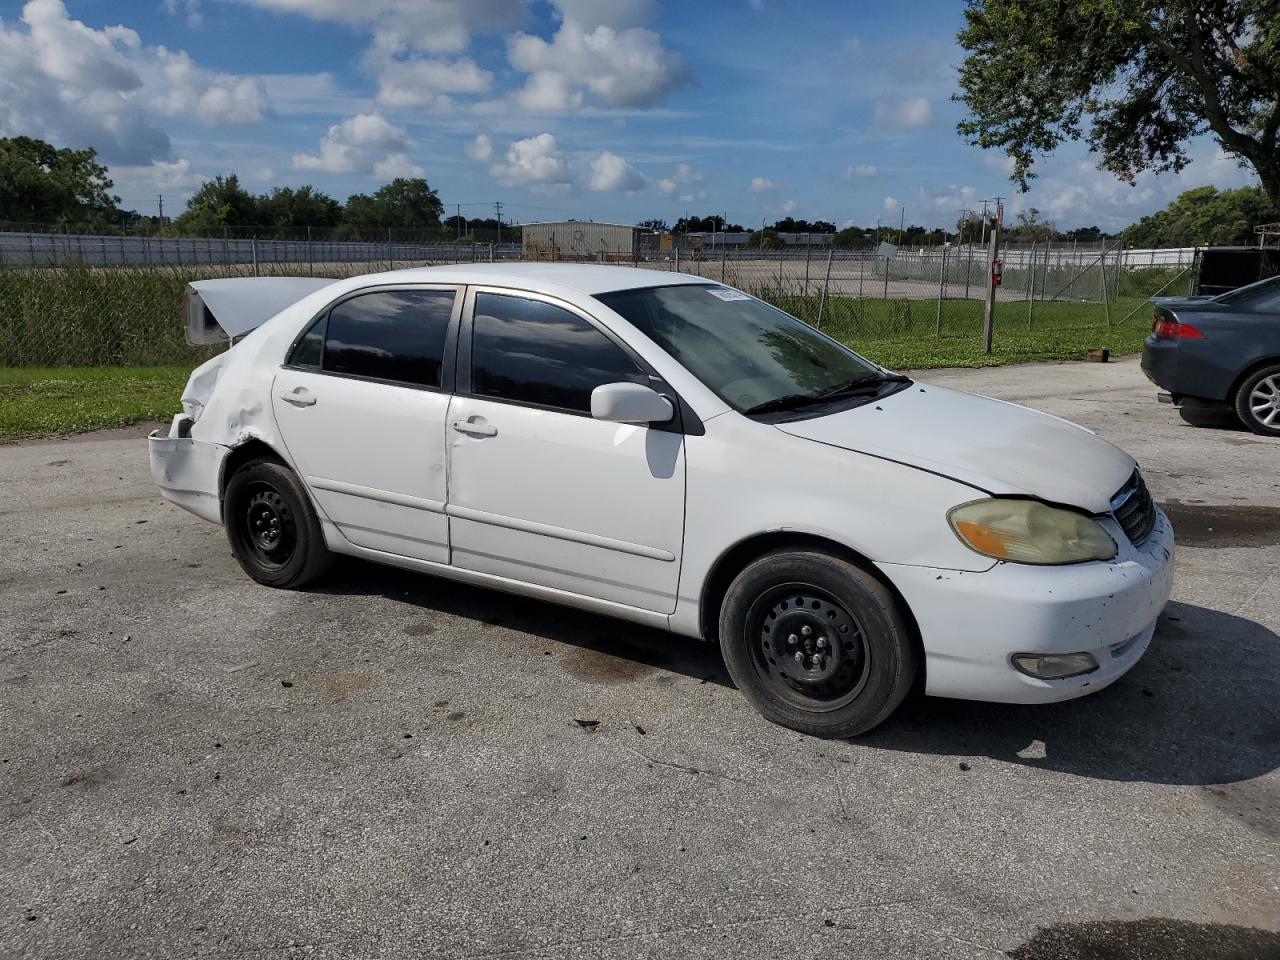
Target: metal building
x=580, y=240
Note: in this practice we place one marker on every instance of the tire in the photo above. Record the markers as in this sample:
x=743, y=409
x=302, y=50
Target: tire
x=855, y=664
x=1258, y=401
x=273, y=529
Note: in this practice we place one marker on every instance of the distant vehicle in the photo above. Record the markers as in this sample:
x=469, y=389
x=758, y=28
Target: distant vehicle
x=1220, y=353
x=1222, y=269
x=672, y=451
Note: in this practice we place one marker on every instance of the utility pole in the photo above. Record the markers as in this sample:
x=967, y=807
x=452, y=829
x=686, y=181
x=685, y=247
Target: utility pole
x=459, y=209
x=161, y=206
x=497, y=206
x=902, y=225
x=993, y=253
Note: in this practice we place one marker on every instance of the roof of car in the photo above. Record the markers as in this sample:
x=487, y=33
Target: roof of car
x=588, y=278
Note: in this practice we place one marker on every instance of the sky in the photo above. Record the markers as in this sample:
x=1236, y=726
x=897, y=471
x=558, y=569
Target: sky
x=616, y=110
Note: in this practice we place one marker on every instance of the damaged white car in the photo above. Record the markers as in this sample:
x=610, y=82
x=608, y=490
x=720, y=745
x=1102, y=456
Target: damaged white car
x=672, y=451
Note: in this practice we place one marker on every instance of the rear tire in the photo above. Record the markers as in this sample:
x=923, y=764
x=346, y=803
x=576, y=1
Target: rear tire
x=273, y=529
x=817, y=644
x=1258, y=401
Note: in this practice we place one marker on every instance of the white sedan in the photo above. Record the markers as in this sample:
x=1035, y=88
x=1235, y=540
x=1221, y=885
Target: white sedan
x=671, y=451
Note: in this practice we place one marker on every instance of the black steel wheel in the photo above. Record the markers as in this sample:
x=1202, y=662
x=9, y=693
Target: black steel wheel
x=273, y=529
x=816, y=643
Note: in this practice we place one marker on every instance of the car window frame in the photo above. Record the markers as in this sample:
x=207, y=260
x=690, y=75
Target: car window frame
x=682, y=421
x=448, y=358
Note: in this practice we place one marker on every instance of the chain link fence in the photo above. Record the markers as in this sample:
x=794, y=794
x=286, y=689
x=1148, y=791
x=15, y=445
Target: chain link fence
x=113, y=301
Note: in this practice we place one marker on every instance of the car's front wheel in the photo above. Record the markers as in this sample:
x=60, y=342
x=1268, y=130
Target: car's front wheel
x=817, y=644
x=1258, y=401
x=274, y=531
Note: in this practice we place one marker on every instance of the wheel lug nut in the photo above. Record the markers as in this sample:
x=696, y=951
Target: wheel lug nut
x=822, y=642
x=799, y=657
x=805, y=631
x=793, y=639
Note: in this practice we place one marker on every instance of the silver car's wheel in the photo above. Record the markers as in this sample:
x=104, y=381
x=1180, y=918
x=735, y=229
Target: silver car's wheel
x=1258, y=401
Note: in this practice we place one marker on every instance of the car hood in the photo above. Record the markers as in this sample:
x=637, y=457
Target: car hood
x=998, y=447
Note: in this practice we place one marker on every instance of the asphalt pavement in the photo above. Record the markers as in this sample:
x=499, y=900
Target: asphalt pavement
x=394, y=766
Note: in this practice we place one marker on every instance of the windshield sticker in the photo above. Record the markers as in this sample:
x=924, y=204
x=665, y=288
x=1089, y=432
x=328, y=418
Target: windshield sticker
x=725, y=293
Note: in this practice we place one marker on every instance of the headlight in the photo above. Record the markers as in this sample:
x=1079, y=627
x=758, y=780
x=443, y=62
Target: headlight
x=1024, y=531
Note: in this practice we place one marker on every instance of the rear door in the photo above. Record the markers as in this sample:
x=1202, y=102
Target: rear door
x=541, y=492
x=361, y=404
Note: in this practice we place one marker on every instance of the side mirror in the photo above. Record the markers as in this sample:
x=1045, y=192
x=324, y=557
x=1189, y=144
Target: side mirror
x=630, y=403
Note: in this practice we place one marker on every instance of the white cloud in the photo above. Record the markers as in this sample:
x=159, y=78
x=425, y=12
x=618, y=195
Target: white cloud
x=189, y=7
x=788, y=207
x=442, y=26
x=610, y=172
x=422, y=82
x=760, y=184
x=189, y=90
x=891, y=203
x=364, y=144
x=684, y=182
x=1001, y=164
x=861, y=170
x=597, y=55
x=905, y=114
x=65, y=81
x=481, y=148
x=534, y=162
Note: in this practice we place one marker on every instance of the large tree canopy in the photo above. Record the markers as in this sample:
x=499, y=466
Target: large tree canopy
x=1204, y=216
x=1135, y=79
x=40, y=183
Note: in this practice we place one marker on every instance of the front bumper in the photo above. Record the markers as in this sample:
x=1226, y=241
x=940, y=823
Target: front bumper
x=187, y=471
x=972, y=623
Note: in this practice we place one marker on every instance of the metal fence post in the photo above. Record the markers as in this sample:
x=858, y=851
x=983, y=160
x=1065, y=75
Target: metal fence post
x=1031, y=285
x=1106, y=302
x=1044, y=273
x=886, y=278
x=253, y=247
x=822, y=303
x=942, y=281
x=724, y=256
x=808, y=252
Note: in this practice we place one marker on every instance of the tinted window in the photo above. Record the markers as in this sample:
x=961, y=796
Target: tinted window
x=397, y=335
x=306, y=352
x=533, y=352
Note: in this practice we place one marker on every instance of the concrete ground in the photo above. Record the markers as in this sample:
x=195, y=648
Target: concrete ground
x=393, y=766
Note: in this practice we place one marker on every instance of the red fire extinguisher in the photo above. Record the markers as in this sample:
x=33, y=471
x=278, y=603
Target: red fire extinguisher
x=997, y=272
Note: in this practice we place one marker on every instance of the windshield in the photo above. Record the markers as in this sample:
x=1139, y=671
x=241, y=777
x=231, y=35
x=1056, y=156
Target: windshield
x=1252, y=291
x=751, y=354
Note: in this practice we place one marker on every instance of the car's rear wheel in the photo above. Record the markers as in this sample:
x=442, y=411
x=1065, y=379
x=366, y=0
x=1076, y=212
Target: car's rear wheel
x=1258, y=401
x=816, y=643
x=273, y=529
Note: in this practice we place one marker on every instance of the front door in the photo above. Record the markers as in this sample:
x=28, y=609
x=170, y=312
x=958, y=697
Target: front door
x=361, y=404
x=541, y=492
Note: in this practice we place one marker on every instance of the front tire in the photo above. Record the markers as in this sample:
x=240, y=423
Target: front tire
x=1258, y=401
x=273, y=529
x=817, y=644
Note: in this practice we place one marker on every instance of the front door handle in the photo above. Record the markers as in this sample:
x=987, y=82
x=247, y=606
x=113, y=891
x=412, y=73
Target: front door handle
x=299, y=397
x=475, y=427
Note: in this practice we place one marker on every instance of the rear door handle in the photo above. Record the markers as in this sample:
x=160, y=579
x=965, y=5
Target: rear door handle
x=299, y=397
x=475, y=427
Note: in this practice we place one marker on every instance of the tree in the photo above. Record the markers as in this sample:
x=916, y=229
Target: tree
x=1031, y=228
x=1144, y=76
x=1204, y=216
x=402, y=204
x=219, y=204
x=304, y=207
x=40, y=183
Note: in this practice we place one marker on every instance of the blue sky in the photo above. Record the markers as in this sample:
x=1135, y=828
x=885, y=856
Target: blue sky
x=601, y=109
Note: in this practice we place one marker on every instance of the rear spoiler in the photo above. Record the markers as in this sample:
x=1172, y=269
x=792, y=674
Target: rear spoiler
x=218, y=310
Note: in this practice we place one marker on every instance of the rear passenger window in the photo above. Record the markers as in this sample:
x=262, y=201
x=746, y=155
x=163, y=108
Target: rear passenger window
x=527, y=351
x=394, y=335
x=306, y=352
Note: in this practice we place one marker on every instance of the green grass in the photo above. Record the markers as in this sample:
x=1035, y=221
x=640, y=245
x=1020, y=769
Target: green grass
x=904, y=334
x=901, y=334
x=42, y=401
